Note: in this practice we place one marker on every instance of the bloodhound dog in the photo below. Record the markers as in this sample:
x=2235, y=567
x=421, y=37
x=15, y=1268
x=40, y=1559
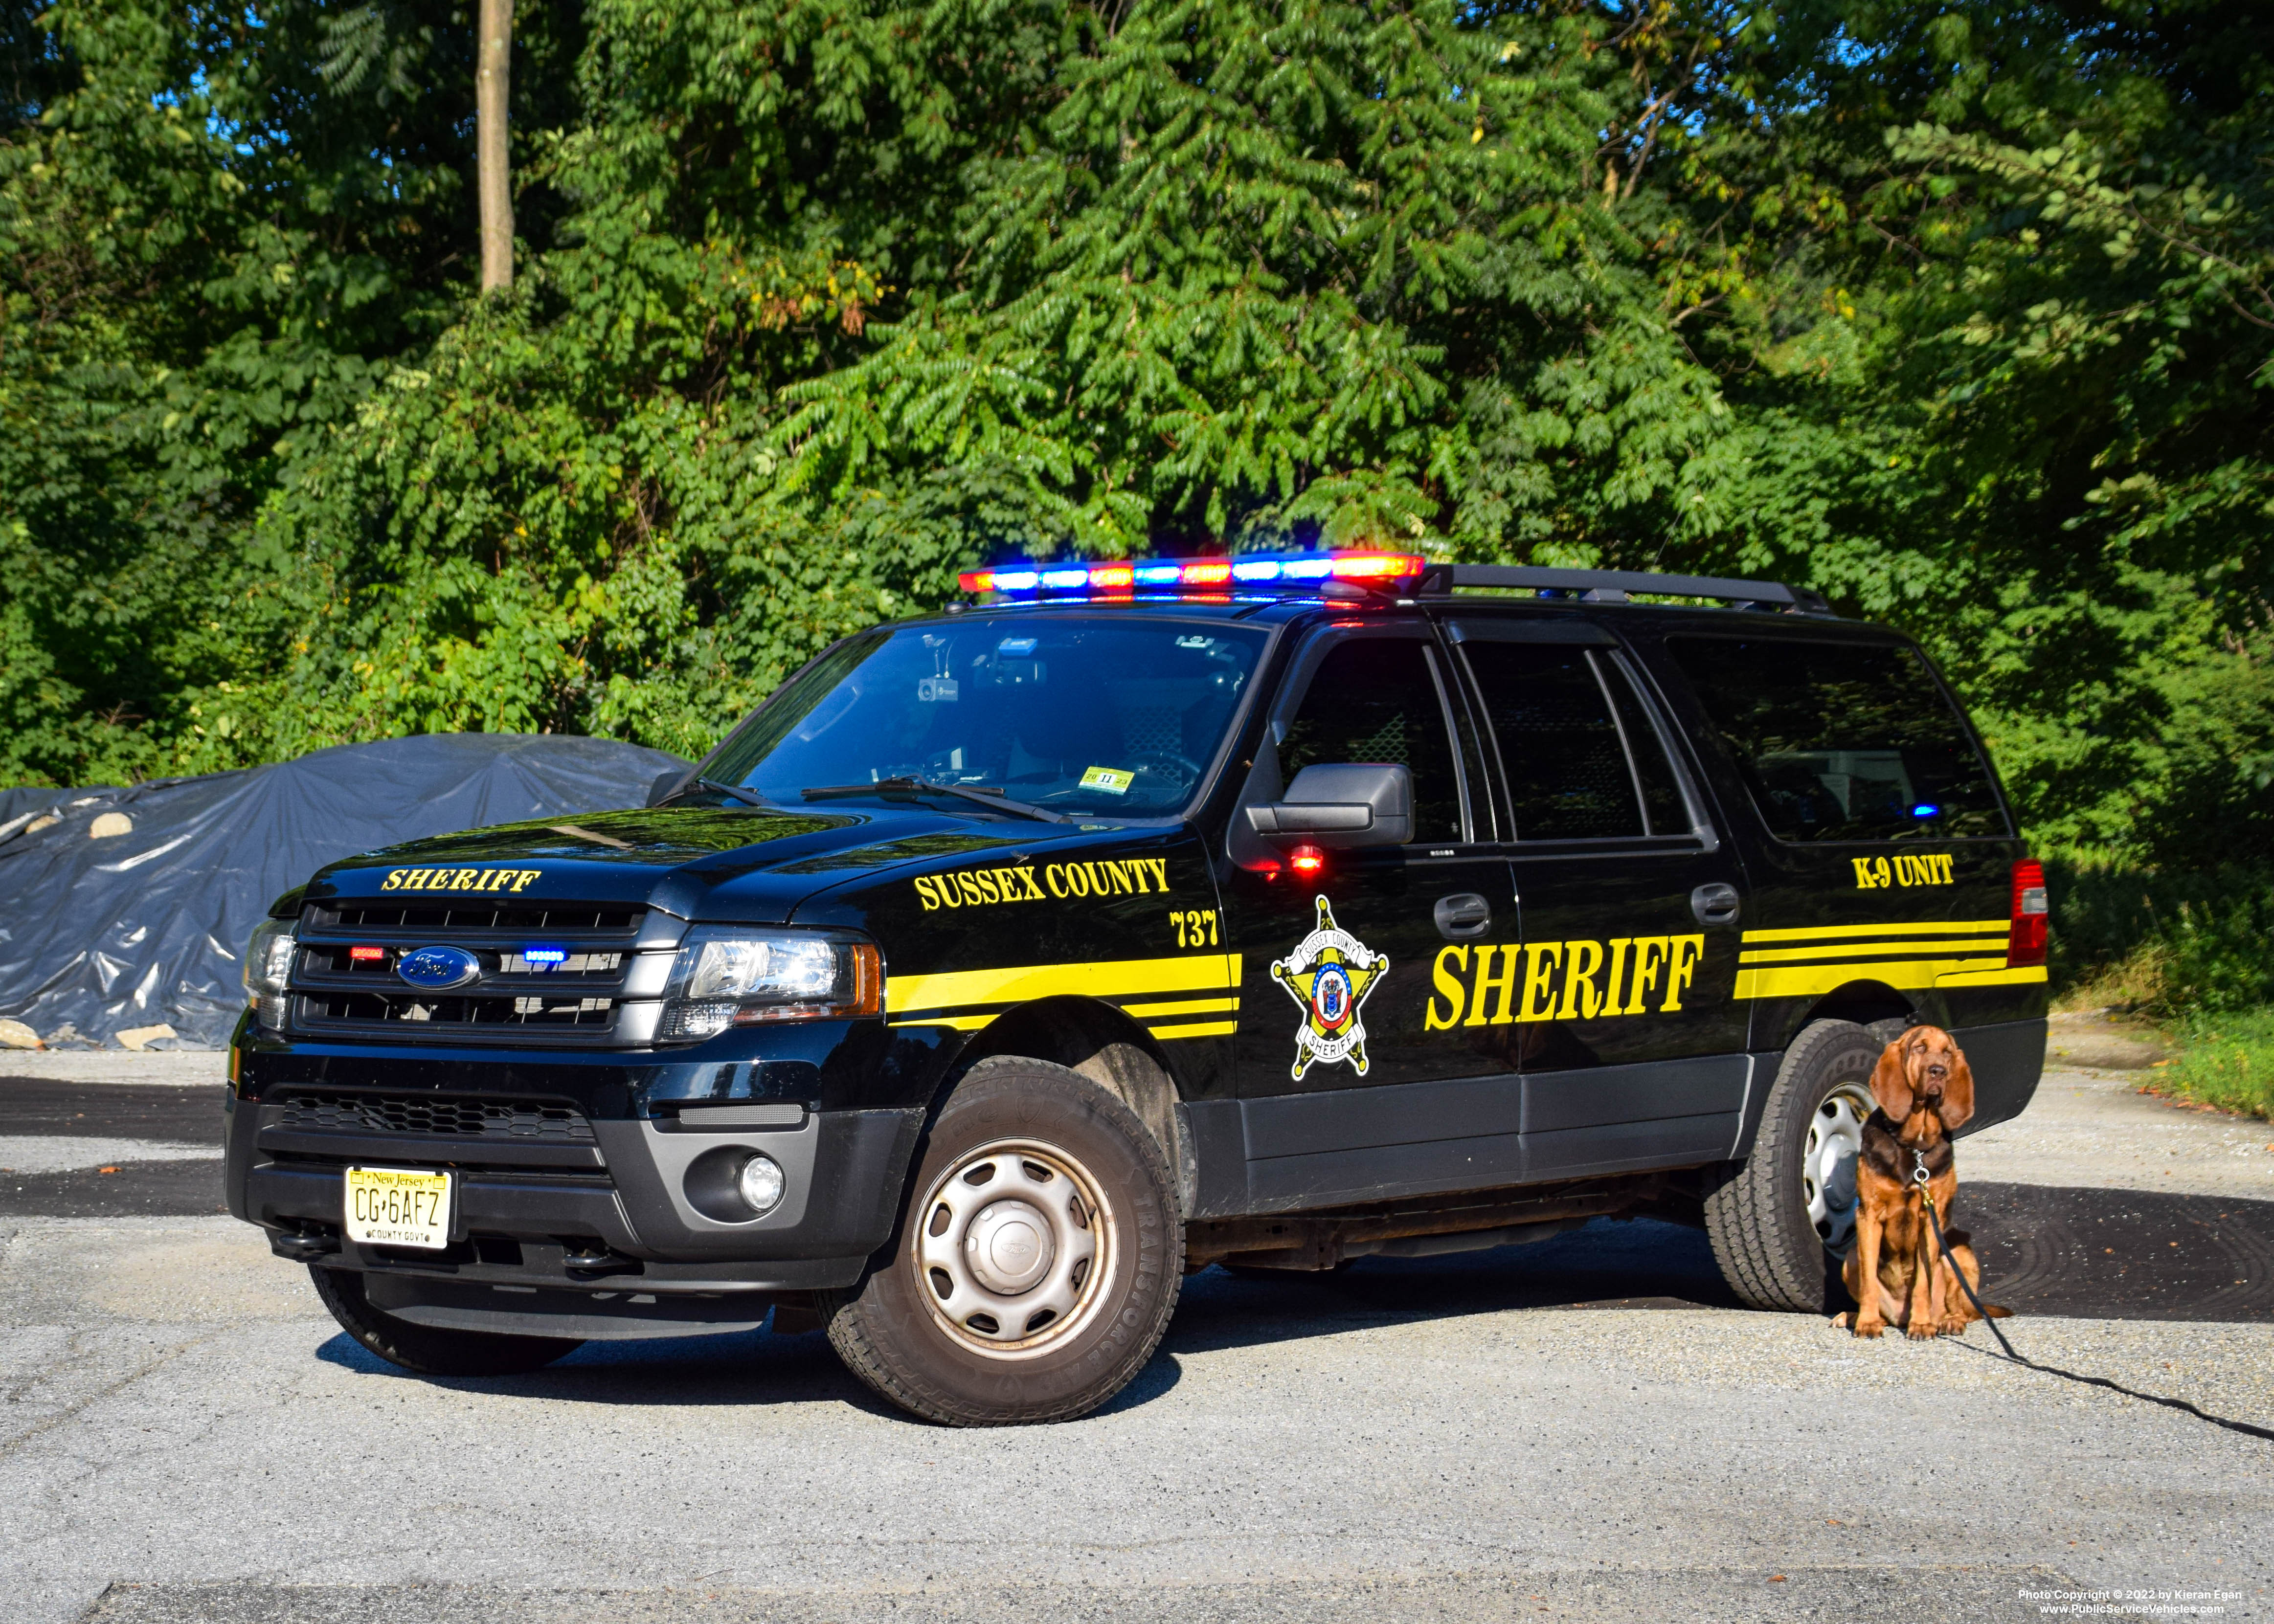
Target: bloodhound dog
x=1896, y=1273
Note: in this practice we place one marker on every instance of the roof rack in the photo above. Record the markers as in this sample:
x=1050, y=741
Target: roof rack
x=1617, y=586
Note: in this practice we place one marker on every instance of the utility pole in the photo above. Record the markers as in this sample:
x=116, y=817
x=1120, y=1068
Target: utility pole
x=492, y=62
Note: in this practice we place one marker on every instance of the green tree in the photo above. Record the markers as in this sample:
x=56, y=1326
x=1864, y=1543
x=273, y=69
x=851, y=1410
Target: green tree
x=1960, y=315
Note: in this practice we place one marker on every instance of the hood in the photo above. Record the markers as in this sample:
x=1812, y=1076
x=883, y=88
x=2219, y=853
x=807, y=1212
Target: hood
x=731, y=865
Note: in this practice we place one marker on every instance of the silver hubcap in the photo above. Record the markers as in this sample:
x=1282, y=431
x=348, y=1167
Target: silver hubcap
x=1827, y=1165
x=1015, y=1248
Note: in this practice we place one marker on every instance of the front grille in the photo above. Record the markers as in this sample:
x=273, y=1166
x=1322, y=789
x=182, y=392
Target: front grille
x=331, y=958
x=529, y=1120
x=344, y=980
x=516, y=1014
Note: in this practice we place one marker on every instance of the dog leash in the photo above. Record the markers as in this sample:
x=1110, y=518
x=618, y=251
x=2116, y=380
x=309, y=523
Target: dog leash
x=1919, y=1177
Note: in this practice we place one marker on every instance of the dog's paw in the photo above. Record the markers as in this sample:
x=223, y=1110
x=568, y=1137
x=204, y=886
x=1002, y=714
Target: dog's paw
x=1955, y=1326
x=1921, y=1332
x=1840, y=1321
x=1869, y=1327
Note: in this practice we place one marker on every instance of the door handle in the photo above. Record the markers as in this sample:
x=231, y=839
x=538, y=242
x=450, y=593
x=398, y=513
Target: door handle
x=1462, y=914
x=1715, y=903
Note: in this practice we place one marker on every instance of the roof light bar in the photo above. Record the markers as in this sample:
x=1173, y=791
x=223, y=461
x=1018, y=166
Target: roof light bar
x=1283, y=571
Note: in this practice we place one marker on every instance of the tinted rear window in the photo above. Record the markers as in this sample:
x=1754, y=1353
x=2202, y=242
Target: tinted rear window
x=1842, y=740
x=1583, y=761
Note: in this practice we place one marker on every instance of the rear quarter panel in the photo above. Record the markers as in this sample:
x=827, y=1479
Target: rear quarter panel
x=1868, y=930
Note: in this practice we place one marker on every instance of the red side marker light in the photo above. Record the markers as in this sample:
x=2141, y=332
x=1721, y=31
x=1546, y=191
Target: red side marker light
x=2025, y=941
x=1308, y=861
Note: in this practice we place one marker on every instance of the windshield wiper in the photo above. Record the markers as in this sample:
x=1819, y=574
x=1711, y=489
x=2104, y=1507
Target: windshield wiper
x=749, y=797
x=993, y=799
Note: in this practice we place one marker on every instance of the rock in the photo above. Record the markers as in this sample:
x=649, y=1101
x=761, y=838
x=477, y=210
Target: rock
x=138, y=1038
x=110, y=825
x=16, y=1034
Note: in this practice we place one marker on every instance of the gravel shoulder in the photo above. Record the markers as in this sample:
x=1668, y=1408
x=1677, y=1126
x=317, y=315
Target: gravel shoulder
x=2095, y=1131
x=167, y=1069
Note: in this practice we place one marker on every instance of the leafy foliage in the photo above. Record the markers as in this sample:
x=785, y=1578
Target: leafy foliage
x=1961, y=315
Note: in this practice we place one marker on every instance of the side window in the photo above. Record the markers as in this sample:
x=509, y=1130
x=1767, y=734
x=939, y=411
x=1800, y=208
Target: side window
x=1662, y=804
x=1375, y=699
x=1842, y=741
x=1570, y=763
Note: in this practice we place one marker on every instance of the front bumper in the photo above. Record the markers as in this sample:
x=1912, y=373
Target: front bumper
x=606, y=1214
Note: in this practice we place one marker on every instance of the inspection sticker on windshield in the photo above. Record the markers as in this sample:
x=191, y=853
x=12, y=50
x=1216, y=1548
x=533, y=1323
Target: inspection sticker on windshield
x=1112, y=780
x=398, y=1207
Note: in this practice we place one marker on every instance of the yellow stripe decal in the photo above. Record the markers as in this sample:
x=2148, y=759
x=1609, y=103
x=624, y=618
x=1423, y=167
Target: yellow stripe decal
x=961, y=1023
x=1993, y=978
x=1187, y=1006
x=1203, y=1029
x=1120, y=978
x=1885, y=949
x=1807, y=981
x=1926, y=927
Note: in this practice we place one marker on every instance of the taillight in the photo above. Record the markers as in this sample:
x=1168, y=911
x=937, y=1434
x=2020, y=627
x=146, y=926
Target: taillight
x=2025, y=942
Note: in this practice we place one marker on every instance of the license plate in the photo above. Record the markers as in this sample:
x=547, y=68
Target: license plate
x=398, y=1207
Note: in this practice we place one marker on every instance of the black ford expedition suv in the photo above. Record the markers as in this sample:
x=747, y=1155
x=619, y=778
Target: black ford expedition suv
x=1010, y=964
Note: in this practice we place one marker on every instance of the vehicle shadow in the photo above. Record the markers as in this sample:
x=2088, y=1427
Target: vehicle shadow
x=1640, y=1263
x=1633, y=1264
x=2091, y=1253
x=739, y=1369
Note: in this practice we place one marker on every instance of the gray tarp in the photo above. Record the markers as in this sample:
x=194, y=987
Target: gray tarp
x=150, y=926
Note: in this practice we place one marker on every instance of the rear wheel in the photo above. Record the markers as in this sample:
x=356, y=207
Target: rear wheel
x=1784, y=1218
x=431, y=1350
x=1037, y=1263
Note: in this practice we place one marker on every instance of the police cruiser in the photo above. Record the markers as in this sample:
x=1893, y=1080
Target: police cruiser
x=1008, y=965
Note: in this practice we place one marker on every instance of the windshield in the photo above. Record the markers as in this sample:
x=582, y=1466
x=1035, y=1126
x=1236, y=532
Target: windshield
x=1084, y=716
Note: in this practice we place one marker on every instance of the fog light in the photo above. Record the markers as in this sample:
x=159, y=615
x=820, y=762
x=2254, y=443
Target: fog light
x=760, y=1183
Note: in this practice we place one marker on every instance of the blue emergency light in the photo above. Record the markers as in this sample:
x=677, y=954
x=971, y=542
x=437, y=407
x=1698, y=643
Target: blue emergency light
x=546, y=956
x=1213, y=577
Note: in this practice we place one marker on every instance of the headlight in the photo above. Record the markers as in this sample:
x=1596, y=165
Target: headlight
x=267, y=967
x=725, y=976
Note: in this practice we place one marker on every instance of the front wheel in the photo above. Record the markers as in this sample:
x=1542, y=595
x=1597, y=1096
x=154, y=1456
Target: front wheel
x=1037, y=1263
x=427, y=1349
x=1785, y=1218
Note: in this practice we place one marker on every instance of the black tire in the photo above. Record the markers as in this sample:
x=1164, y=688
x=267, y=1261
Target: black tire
x=1757, y=1220
x=940, y=1350
x=431, y=1350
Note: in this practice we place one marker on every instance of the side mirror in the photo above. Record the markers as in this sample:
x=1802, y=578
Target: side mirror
x=669, y=780
x=1348, y=804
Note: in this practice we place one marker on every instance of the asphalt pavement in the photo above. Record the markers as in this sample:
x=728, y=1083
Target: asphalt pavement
x=1585, y=1428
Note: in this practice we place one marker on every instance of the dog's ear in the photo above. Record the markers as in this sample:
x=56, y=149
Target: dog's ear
x=1891, y=1082
x=1958, y=1092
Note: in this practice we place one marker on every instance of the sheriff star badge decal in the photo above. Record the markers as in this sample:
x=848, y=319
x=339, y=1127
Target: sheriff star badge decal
x=1328, y=974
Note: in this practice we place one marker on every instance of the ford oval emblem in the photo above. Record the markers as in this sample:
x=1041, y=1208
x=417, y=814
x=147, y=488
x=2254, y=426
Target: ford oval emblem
x=437, y=969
